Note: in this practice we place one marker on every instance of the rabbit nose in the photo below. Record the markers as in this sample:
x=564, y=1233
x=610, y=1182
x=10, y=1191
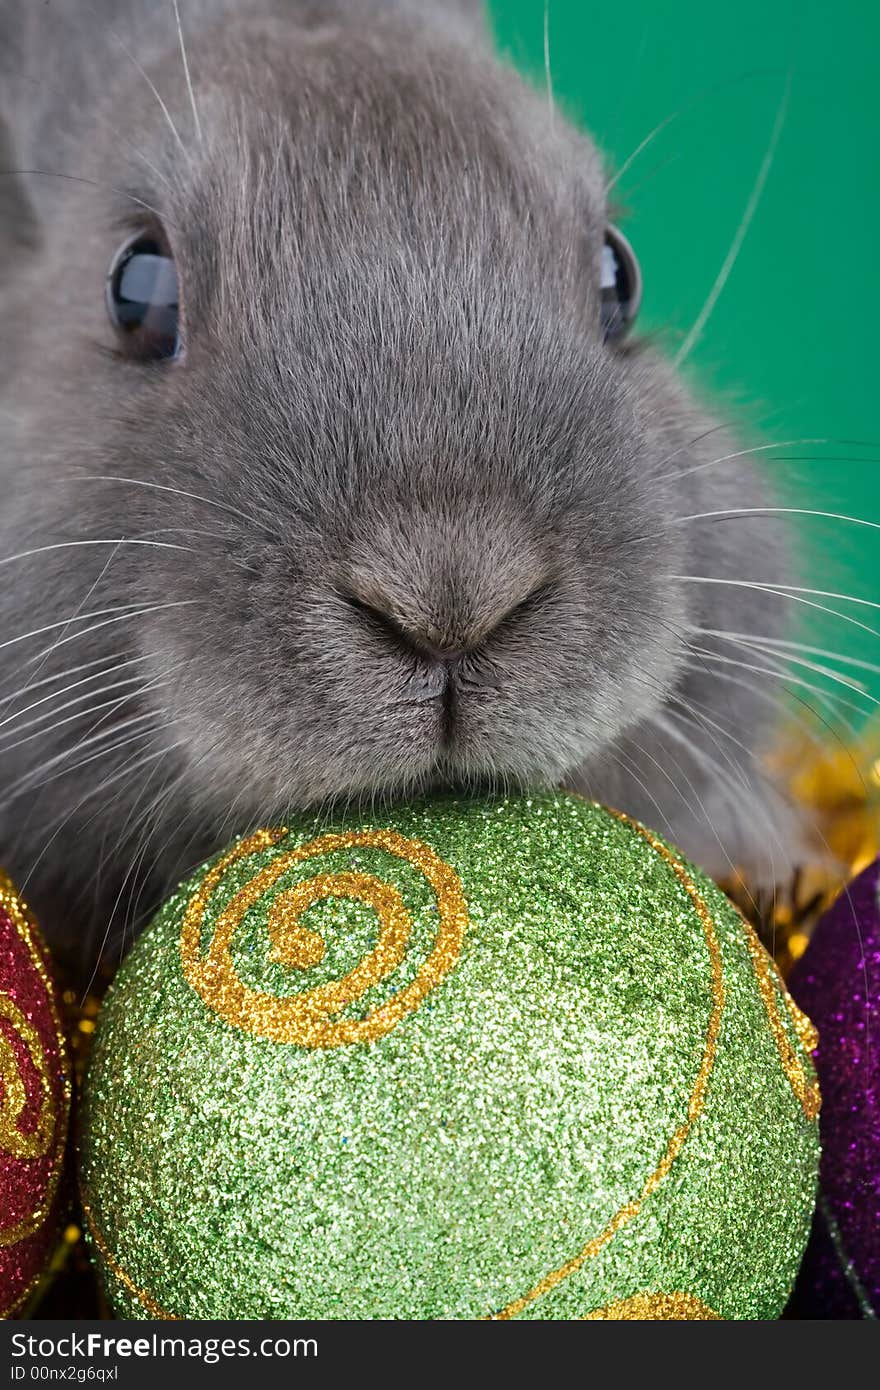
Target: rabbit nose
x=440, y=650
x=425, y=639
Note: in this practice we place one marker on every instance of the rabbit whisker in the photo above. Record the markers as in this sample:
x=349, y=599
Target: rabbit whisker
x=779, y=511
x=739, y=454
x=133, y=611
x=43, y=732
x=757, y=645
x=175, y=491
x=73, y=545
x=187, y=73
x=153, y=88
x=796, y=646
x=47, y=651
x=788, y=591
x=29, y=783
x=736, y=245
x=778, y=672
x=703, y=95
x=548, y=68
x=31, y=686
x=93, y=183
x=129, y=767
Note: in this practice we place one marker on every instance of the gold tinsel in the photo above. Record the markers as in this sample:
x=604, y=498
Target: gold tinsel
x=838, y=785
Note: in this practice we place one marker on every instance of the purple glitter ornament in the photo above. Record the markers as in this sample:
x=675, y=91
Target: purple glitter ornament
x=837, y=983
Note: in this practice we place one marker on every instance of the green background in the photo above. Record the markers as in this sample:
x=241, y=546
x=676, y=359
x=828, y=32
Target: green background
x=790, y=346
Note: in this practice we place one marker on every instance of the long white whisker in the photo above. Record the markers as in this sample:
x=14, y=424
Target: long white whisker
x=662, y=770
x=33, y=780
x=124, y=609
x=168, y=790
x=702, y=95
x=153, y=88
x=169, y=787
x=126, y=770
x=683, y=448
x=74, y=545
x=629, y=767
x=742, y=230
x=700, y=802
x=778, y=674
x=175, y=491
x=548, y=69
x=818, y=669
x=60, y=676
x=788, y=592
x=191, y=531
x=187, y=73
x=755, y=644
x=779, y=511
x=694, y=708
x=697, y=710
x=141, y=833
x=739, y=454
x=776, y=701
x=98, y=732
x=816, y=827
x=96, y=627
x=46, y=655
x=794, y=646
x=108, y=125
x=42, y=731
x=642, y=145
x=735, y=781
x=92, y=183
x=759, y=690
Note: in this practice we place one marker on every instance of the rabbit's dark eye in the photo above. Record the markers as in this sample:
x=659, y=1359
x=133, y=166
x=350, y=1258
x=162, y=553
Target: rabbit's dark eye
x=142, y=299
x=621, y=285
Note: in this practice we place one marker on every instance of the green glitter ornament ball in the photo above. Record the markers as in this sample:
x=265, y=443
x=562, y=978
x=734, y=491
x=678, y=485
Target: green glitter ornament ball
x=473, y=1059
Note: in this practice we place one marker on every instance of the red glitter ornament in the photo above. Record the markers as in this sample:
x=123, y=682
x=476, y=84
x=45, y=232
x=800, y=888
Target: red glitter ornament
x=34, y=1104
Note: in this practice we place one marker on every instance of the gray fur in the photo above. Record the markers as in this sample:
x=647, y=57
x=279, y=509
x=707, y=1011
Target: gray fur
x=396, y=394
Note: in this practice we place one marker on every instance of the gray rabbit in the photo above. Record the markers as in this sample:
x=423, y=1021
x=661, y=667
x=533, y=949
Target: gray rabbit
x=357, y=490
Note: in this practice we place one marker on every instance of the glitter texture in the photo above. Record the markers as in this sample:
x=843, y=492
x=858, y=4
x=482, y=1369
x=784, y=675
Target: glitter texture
x=805, y=1086
x=306, y=1018
x=838, y=980
x=34, y=1104
x=555, y=1089
x=655, y=1307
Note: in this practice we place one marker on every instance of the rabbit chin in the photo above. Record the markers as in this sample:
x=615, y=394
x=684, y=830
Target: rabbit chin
x=292, y=777
x=264, y=760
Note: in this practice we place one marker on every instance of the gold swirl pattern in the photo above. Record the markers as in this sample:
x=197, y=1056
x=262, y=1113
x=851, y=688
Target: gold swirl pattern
x=14, y=1101
x=140, y=1295
x=26, y=928
x=806, y=1092
x=769, y=983
x=311, y=1019
x=655, y=1307
x=630, y=1211
x=288, y=1020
